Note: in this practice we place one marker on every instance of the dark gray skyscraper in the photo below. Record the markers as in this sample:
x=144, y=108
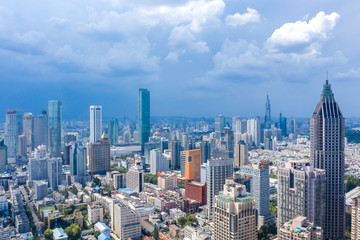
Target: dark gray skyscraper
x=267, y=112
x=175, y=154
x=327, y=152
x=54, y=122
x=144, y=117
x=283, y=125
x=205, y=147
x=41, y=129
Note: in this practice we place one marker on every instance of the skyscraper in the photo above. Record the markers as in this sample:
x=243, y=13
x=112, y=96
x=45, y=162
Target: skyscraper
x=219, y=126
x=158, y=161
x=54, y=122
x=241, y=153
x=3, y=155
x=144, y=117
x=283, y=125
x=11, y=134
x=355, y=218
x=267, y=113
x=253, y=128
x=126, y=222
x=99, y=155
x=28, y=128
x=327, y=136
x=41, y=129
x=235, y=215
x=217, y=170
x=205, y=147
x=95, y=123
x=113, y=131
x=78, y=160
x=54, y=172
x=300, y=193
x=192, y=165
x=135, y=178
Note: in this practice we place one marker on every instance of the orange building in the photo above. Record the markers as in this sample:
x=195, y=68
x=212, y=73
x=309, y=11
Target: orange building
x=195, y=191
x=193, y=165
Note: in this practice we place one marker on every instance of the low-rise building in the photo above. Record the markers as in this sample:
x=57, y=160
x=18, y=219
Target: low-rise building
x=167, y=182
x=59, y=234
x=300, y=228
x=95, y=213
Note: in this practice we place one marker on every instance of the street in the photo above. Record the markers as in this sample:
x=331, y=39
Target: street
x=37, y=222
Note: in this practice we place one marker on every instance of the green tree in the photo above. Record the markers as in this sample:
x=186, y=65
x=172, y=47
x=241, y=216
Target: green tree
x=150, y=178
x=351, y=183
x=74, y=190
x=273, y=206
x=96, y=234
x=266, y=231
x=181, y=184
x=156, y=233
x=181, y=221
x=73, y=232
x=48, y=234
x=96, y=182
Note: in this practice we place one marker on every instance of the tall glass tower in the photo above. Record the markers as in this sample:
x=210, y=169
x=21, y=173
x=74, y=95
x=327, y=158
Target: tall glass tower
x=113, y=131
x=144, y=117
x=54, y=121
x=267, y=112
x=327, y=152
x=95, y=123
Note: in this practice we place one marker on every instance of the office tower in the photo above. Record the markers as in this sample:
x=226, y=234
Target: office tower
x=241, y=153
x=355, y=218
x=66, y=154
x=11, y=134
x=147, y=149
x=195, y=191
x=126, y=222
x=235, y=215
x=167, y=182
x=119, y=180
x=243, y=126
x=3, y=156
x=236, y=124
x=327, y=135
x=260, y=186
x=41, y=129
x=113, y=131
x=54, y=122
x=219, y=126
x=54, y=172
x=40, y=189
x=283, y=125
x=184, y=141
x=228, y=140
x=99, y=155
x=19, y=117
x=203, y=172
x=182, y=162
x=22, y=145
x=28, y=128
x=292, y=127
x=95, y=123
x=205, y=147
x=144, y=117
x=241, y=179
x=164, y=144
x=38, y=168
x=78, y=159
x=158, y=162
x=300, y=228
x=267, y=113
x=217, y=170
x=192, y=165
x=135, y=178
x=253, y=128
x=300, y=193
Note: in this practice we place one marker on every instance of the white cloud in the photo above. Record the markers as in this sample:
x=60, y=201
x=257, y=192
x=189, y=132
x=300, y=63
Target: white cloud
x=351, y=74
x=251, y=16
x=181, y=37
x=302, y=34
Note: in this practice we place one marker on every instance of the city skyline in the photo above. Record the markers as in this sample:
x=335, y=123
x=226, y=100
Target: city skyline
x=190, y=59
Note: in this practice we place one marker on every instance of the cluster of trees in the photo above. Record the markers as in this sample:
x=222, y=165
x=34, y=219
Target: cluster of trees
x=351, y=183
x=96, y=183
x=181, y=184
x=189, y=220
x=273, y=205
x=353, y=136
x=73, y=231
x=267, y=231
x=73, y=189
x=150, y=178
x=121, y=169
x=32, y=224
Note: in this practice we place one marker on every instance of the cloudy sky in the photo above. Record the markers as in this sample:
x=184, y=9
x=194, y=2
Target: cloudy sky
x=198, y=58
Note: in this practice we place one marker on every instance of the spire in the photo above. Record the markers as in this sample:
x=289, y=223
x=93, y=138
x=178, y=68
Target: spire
x=327, y=77
x=327, y=92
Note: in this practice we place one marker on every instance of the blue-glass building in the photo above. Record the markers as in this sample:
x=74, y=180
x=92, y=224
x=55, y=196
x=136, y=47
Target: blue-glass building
x=144, y=117
x=54, y=121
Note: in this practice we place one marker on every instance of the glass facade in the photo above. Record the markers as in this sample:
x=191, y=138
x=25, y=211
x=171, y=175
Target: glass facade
x=144, y=117
x=54, y=121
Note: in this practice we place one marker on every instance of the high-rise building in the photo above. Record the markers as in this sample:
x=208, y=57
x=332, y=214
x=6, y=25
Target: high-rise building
x=300, y=193
x=327, y=138
x=3, y=156
x=54, y=172
x=192, y=165
x=38, y=168
x=28, y=128
x=205, y=147
x=78, y=157
x=126, y=222
x=99, y=155
x=267, y=112
x=243, y=127
x=95, y=123
x=195, y=191
x=283, y=125
x=22, y=145
x=54, y=123
x=241, y=153
x=144, y=117
x=41, y=129
x=11, y=134
x=260, y=186
x=219, y=126
x=300, y=228
x=113, y=131
x=167, y=182
x=135, y=178
x=253, y=128
x=355, y=218
x=227, y=141
x=217, y=170
x=182, y=162
x=158, y=162
x=235, y=215
x=236, y=124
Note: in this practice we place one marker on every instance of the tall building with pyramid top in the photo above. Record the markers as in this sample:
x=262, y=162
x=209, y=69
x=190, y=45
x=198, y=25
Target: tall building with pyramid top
x=327, y=137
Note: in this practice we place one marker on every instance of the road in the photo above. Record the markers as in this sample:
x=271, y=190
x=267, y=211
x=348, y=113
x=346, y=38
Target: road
x=37, y=222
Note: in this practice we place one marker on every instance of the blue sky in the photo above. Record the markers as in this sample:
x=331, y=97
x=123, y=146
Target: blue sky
x=198, y=58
